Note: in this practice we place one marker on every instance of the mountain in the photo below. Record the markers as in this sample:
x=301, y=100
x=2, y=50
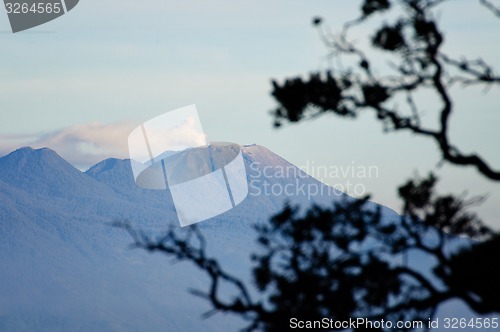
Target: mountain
x=64, y=268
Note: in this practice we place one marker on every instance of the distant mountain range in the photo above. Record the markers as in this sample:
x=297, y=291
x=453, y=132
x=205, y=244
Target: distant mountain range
x=64, y=268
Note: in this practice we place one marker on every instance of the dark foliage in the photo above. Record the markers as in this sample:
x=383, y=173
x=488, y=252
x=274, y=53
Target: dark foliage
x=413, y=40
x=371, y=6
x=296, y=94
x=348, y=261
x=477, y=269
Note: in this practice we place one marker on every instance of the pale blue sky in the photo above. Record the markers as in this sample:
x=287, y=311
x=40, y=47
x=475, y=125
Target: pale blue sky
x=108, y=65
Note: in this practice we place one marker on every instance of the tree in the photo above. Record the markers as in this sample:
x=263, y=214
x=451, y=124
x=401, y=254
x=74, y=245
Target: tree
x=347, y=261
x=413, y=42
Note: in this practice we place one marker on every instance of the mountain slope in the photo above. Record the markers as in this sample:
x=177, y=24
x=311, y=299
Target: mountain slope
x=62, y=267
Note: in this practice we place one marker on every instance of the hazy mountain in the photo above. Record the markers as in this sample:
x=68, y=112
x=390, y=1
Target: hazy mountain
x=63, y=268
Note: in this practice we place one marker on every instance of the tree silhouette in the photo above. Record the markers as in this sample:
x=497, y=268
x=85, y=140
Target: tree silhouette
x=413, y=43
x=348, y=261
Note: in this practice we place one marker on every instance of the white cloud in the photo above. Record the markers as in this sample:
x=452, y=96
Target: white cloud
x=81, y=145
x=187, y=134
x=86, y=144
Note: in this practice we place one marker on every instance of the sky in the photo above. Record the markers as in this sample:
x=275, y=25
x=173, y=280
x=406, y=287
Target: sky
x=81, y=83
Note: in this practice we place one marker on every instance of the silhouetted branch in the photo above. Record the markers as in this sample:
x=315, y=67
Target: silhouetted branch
x=185, y=249
x=345, y=262
x=415, y=41
x=478, y=71
x=491, y=7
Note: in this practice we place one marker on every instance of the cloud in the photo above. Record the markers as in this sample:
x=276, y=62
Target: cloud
x=171, y=131
x=81, y=145
x=187, y=134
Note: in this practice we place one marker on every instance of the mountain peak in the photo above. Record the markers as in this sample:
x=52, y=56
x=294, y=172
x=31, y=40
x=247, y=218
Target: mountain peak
x=27, y=155
x=28, y=150
x=23, y=149
x=40, y=172
x=107, y=165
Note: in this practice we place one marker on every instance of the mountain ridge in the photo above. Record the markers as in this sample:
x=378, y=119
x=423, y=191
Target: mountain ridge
x=64, y=268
